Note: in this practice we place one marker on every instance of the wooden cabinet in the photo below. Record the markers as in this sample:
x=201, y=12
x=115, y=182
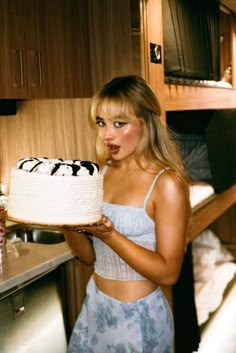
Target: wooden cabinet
x=57, y=49
x=77, y=276
x=12, y=63
x=37, y=52
x=174, y=97
x=110, y=38
x=44, y=49
x=62, y=49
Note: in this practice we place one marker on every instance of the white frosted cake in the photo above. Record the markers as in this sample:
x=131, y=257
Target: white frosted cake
x=55, y=192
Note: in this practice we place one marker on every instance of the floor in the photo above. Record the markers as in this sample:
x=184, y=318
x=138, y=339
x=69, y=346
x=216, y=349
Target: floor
x=220, y=335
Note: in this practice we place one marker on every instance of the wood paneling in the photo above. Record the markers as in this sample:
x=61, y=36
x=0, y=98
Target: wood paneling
x=213, y=210
x=50, y=128
x=178, y=97
x=224, y=226
x=153, y=33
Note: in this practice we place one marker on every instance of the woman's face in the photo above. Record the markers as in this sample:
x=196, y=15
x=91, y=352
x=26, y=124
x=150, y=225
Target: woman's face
x=120, y=136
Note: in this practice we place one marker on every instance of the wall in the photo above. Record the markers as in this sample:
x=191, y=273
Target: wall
x=46, y=128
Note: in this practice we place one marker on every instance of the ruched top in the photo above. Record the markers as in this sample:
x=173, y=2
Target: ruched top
x=133, y=223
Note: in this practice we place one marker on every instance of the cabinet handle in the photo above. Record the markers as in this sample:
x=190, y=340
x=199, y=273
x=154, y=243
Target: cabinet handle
x=19, y=78
x=40, y=68
x=19, y=311
x=36, y=67
x=18, y=304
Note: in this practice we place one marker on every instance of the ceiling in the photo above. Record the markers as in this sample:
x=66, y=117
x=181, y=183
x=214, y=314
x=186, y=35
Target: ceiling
x=231, y=4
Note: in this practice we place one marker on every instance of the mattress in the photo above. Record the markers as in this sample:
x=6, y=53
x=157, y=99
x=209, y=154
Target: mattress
x=200, y=193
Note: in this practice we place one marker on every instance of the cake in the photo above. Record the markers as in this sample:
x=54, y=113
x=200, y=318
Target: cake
x=55, y=192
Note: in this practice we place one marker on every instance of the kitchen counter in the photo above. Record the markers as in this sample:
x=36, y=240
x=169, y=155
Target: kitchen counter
x=28, y=260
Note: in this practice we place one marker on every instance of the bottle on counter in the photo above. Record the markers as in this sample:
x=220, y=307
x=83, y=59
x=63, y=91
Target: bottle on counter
x=3, y=197
x=3, y=212
x=2, y=226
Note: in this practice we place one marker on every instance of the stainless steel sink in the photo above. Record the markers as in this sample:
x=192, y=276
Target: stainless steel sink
x=36, y=235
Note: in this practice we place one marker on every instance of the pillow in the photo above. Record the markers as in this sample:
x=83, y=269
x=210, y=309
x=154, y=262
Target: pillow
x=195, y=154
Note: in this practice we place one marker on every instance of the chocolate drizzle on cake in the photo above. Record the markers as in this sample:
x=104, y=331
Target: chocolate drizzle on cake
x=58, y=166
x=90, y=166
x=34, y=167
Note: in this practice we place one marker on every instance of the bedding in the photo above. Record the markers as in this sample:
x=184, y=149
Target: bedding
x=214, y=268
x=200, y=193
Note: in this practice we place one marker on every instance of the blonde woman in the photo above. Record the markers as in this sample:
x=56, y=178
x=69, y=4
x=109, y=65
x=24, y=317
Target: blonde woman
x=140, y=243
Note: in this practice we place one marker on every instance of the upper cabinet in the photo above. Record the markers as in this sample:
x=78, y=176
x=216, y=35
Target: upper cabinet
x=56, y=48
x=110, y=38
x=62, y=49
x=69, y=49
x=44, y=50
x=199, y=50
x=185, y=96
x=12, y=63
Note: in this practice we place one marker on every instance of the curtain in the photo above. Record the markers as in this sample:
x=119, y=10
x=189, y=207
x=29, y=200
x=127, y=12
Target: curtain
x=191, y=32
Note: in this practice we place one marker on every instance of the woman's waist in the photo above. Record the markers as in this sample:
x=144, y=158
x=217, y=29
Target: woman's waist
x=125, y=291
x=110, y=265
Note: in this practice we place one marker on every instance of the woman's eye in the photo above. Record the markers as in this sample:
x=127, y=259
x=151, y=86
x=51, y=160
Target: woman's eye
x=100, y=123
x=119, y=123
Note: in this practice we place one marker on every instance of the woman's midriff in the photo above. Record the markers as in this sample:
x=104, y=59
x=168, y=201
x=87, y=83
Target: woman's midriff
x=125, y=291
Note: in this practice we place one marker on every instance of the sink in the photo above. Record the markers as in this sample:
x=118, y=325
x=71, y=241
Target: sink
x=36, y=235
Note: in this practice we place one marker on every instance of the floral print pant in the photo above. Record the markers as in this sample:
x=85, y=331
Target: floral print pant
x=107, y=325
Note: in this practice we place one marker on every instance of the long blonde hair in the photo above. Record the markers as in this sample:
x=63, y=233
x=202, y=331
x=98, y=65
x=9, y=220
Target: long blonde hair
x=132, y=93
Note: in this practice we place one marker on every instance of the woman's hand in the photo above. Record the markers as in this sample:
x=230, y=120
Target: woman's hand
x=103, y=230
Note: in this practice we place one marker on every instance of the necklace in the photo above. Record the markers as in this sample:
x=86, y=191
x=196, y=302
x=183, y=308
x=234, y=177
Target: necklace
x=127, y=170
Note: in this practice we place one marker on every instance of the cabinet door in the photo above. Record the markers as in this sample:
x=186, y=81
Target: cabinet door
x=45, y=49
x=57, y=49
x=36, y=60
x=13, y=75
x=63, y=49
x=77, y=277
x=110, y=38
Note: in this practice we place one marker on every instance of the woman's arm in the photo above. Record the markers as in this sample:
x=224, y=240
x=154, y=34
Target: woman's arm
x=169, y=207
x=81, y=245
x=79, y=241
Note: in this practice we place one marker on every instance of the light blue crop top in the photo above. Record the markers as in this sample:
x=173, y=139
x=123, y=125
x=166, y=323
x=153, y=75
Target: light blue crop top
x=135, y=224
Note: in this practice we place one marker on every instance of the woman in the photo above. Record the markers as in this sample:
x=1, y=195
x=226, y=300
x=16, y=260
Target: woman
x=140, y=243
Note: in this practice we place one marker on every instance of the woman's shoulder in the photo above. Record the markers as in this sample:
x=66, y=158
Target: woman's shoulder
x=169, y=184
x=169, y=193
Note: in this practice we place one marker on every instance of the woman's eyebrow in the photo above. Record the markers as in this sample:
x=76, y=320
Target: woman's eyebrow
x=98, y=118
x=114, y=118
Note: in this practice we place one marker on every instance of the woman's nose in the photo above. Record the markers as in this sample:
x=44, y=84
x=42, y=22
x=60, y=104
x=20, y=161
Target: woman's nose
x=108, y=133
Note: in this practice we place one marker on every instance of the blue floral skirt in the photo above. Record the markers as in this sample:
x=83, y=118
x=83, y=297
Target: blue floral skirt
x=107, y=325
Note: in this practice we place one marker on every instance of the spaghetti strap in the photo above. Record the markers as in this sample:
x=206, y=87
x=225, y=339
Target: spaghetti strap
x=152, y=186
x=104, y=170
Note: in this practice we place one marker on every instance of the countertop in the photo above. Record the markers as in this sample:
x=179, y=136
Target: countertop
x=28, y=260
